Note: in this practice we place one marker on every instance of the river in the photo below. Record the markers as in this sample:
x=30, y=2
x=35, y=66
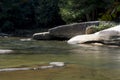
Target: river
x=83, y=62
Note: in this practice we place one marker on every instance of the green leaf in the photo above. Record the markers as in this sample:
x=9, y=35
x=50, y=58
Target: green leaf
x=118, y=8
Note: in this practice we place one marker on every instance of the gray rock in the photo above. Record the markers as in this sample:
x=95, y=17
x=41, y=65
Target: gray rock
x=70, y=30
x=3, y=35
x=64, y=32
x=42, y=36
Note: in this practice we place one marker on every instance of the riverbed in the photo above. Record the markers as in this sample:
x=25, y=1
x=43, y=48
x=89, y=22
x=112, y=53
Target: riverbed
x=83, y=62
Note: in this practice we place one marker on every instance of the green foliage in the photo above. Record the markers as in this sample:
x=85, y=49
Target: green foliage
x=104, y=25
x=107, y=17
x=87, y=10
x=101, y=26
x=118, y=8
x=29, y=14
x=47, y=13
x=16, y=12
x=68, y=11
x=82, y=10
x=112, y=12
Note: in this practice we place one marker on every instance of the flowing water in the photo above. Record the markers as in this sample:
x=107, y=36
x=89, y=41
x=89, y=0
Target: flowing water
x=83, y=62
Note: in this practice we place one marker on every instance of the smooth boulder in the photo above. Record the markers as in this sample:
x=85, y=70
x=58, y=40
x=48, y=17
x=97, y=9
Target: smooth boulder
x=70, y=30
x=79, y=39
x=65, y=32
x=107, y=36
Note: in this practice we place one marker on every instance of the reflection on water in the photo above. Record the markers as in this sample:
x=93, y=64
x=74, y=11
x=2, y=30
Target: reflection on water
x=101, y=56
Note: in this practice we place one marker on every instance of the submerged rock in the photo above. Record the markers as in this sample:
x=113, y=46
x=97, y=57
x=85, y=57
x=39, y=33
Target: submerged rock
x=4, y=35
x=5, y=51
x=51, y=65
x=27, y=39
x=14, y=69
x=42, y=36
x=57, y=64
x=46, y=67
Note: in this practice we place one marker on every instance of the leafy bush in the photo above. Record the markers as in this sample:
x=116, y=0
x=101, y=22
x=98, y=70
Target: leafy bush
x=83, y=10
x=104, y=26
x=112, y=12
x=101, y=26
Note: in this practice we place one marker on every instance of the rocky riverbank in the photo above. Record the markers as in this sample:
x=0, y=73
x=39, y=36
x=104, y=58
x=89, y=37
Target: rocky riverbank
x=84, y=33
x=65, y=32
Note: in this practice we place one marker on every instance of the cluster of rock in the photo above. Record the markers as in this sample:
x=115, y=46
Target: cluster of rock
x=4, y=35
x=65, y=31
x=51, y=65
x=84, y=33
x=110, y=36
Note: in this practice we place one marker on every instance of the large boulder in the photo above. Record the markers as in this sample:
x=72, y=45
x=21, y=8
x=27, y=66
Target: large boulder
x=107, y=36
x=64, y=32
x=79, y=39
x=70, y=30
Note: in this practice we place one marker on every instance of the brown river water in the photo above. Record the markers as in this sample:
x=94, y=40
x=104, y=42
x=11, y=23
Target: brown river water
x=83, y=62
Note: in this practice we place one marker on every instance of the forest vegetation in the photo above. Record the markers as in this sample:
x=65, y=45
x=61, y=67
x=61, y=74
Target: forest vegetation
x=34, y=14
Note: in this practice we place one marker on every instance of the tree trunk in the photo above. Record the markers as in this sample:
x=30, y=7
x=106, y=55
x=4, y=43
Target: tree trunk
x=88, y=17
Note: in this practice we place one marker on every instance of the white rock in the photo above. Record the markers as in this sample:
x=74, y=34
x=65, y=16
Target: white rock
x=83, y=38
x=5, y=51
x=57, y=64
x=117, y=28
x=27, y=39
x=46, y=67
x=103, y=35
x=14, y=69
